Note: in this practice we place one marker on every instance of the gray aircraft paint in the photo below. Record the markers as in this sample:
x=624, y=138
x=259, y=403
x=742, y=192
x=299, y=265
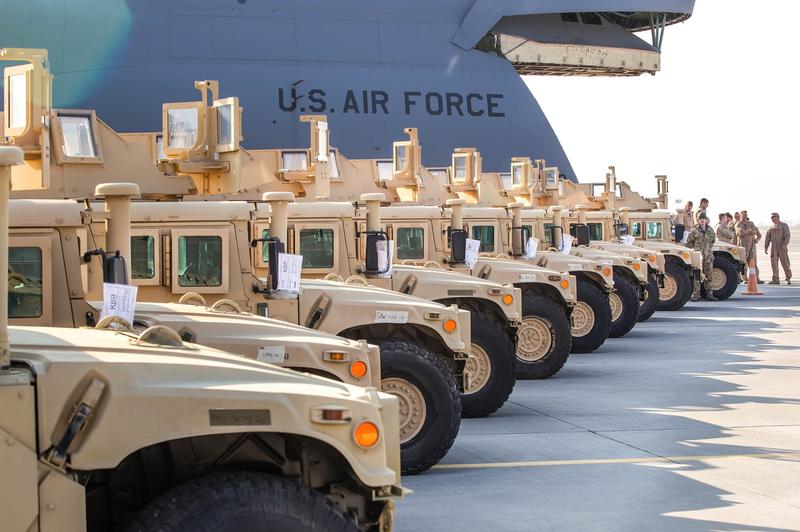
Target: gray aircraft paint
x=373, y=66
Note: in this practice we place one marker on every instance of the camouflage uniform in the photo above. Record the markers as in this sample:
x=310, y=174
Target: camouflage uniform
x=779, y=235
x=725, y=233
x=703, y=241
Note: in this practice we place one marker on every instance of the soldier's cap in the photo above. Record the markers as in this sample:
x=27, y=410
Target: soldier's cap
x=702, y=215
x=775, y=214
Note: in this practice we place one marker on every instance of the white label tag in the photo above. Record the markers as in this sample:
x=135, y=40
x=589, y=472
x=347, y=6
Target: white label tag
x=289, y=267
x=385, y=250
x=530, y=248
x=471, y=253
x=628, y=240
x=274, y=354
x=391, y=316
x=119, y=300
x=322, y=141
x=527, y=277
x=575, y=267
x=566, y=244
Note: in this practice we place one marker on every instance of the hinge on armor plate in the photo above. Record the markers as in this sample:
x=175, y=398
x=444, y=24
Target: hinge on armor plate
x=58, y=455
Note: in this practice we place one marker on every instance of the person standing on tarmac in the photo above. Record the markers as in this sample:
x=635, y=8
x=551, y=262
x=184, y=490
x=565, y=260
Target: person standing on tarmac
x=701, y=210
x=736, y=218
x=724, y=231
x=688, y=216
x=749, y=236
x=778, y=235
x=702, y=239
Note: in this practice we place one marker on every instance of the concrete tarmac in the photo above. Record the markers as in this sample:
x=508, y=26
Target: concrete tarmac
x=689, y=423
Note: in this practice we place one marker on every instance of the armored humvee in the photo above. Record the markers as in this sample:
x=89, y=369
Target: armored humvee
x=424, y=345
x=112, y=430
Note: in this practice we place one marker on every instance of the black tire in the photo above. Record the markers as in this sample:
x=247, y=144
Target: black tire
x=500, y=355
x=648, y=307
x=241, y=501
x=416, y=365
x=542, y=314
x=597, y=301
x=628, y=294
x=728, y=267
x=683, y=287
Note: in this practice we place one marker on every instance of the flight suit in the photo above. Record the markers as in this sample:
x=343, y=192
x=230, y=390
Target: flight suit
x=778, y=235
x=749, y=236
x=703, y=241
x=725, y=233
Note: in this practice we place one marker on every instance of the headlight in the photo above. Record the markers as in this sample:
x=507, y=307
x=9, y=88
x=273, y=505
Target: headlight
x=508, y=299
x=358, y=369
x=366, y=434
x=450, y=325
x=565, y=283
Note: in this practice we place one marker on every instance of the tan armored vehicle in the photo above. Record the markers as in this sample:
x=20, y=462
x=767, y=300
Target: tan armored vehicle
x=205, y=249
x=88, y=415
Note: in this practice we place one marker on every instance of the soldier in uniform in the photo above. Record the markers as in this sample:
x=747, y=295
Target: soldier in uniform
x=749, y=236
x=724, y=231
x=778, y=235
x=736, y=218
x=702, y=239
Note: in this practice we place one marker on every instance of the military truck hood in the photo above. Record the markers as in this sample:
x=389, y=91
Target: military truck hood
x=437, y=283
x=377, y=305
x=635, y=266
x=571, y=263
x=253, y=336
x=515, y=272
x=156, y=393
x=654, y=258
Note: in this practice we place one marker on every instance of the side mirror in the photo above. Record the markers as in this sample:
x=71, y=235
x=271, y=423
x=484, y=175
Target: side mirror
x=274, y=247
x=458, y=246
x=680, y=230
x=114, y=270
x=620, y=230
x=581, y=232
x=524, y=235
x=556, y=237
x=373, y=258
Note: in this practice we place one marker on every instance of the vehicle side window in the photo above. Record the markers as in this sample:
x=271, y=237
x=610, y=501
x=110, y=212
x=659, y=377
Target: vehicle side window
x=484, y=233
x=316, y=247
x=143, y=257
x=410, y=243
x=199, y=261
x=654, y=230
x=595, y=231
x=25, y=282
x=636, y=229
x=548, y=234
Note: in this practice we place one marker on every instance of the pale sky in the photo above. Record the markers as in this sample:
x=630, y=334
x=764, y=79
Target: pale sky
x=721, y=119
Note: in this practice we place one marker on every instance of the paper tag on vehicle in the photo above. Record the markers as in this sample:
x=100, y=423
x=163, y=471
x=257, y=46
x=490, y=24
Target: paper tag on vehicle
x=391, y=316
x=385, y=249
x=274, y=354
x=566, y=244
x=119, y=300
x=628, y=240
x=471, y=252
x=575, y=267
x=289, y=267
x=527, y=277
x=530, y=248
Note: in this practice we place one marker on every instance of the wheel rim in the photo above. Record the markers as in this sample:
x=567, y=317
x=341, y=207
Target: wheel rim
x=718, y=279
x=412, y=406
x=477, y=371
x=670, y=288
x=533, y=339
x=616, y=306
x=582, y=319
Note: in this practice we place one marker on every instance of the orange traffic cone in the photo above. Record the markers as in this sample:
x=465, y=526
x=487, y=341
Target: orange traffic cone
x=752, y=282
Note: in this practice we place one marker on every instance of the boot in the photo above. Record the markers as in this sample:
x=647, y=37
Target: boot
x=774, y=281
x=710, y=297
x=788, y=282
x=695, y=297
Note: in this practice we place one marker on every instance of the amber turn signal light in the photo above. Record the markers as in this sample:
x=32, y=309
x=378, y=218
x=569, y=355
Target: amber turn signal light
x=450, y=325
x=565, y=284
x=358, y=369
x=366, y=434
x=508, y=299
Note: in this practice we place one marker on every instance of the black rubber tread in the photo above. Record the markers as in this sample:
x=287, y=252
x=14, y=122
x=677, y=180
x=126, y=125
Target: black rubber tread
x=685, y=288
x=731, y=277
x=418, y=365
x=648, y=306
x=496, y=342
x=241, y=501
x=629, y=294
x=592, y=295
x=560, y=332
